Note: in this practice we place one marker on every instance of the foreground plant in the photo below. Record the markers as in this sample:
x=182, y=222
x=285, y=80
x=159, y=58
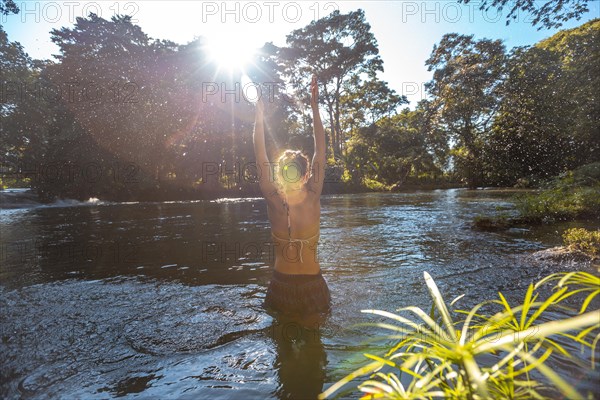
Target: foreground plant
x=436, y=356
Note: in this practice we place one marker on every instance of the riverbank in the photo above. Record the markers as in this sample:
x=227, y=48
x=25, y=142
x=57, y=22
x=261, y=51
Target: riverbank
x=12, y=198
x=572, y=196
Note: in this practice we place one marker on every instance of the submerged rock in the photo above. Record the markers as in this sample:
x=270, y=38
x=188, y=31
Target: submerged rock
x=55, y=336
x=491, y=224
x=562, y=258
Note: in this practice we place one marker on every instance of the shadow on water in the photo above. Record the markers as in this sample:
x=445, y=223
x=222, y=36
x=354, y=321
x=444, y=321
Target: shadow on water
x=133, y=385
x=301, y=359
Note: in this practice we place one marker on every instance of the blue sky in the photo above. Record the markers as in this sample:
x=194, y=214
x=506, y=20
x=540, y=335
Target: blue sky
x=405, y=30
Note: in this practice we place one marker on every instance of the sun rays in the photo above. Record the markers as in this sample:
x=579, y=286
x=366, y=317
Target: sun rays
x=230, y=53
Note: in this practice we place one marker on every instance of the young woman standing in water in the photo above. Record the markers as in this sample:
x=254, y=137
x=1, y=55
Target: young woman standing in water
x=294, y=209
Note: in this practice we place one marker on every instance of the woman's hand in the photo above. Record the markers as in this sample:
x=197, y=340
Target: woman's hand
x=314, y=93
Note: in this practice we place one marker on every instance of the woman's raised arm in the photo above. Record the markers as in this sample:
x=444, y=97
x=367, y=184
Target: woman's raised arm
x=317, y=175
x=265, y=169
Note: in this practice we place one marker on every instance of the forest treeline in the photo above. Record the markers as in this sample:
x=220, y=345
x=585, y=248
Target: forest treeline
x=119, y=115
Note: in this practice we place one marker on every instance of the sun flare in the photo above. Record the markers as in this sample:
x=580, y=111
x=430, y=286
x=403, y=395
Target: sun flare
x=229, y=52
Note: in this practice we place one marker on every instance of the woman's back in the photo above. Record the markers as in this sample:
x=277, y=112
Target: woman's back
x=295, y=245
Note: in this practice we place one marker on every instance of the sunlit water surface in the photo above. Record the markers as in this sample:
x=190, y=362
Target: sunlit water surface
x=164, y=300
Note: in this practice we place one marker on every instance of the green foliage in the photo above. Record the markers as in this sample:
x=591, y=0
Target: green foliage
x=546, y=14
x=340, y=49
x=523, y=183
x=8, y=7
x=530, y=136
x=18, y=113
x=149, y=135
x=435, y=355
x=584, y=282
x=569, y=196
x=365, y=103
x=575, y=194
x=560, y=204
x=490, y=119
x=549, y=115
x=467, y=75
x=583, y=240
x=392, y=150
x=588, y=175
x=375, y=186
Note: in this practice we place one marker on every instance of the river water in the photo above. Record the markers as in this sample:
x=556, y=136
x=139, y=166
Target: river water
x=164, y=300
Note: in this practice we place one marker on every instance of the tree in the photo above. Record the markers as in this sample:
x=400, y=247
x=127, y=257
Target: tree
x=464, y=90
x=436, y=138
x=546, y=14
x=102, y=109
x=364, y=103
x=128, y=116
x=337, y=48
x=8, y=7
x=579, y=52
x=20, y=108
x=548, y=119
x=390, y=150
x=529, y=137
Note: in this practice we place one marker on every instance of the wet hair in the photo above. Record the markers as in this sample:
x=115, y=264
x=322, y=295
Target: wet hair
x=296, y=159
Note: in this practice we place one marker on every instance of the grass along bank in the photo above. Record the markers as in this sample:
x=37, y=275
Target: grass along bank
x=571, y=196
x=579, y=239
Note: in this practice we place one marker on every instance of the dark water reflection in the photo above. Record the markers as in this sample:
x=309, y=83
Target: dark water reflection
x=164, y=299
